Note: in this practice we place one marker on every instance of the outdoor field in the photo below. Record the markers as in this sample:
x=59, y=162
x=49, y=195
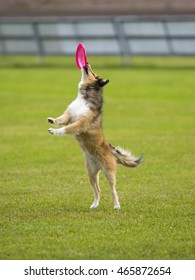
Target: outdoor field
x=149, y=108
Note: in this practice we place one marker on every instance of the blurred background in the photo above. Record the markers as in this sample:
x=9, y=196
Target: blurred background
x=146, y=48
x=119, y=28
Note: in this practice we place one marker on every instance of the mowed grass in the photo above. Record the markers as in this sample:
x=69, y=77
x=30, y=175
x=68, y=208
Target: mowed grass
x=44, y=191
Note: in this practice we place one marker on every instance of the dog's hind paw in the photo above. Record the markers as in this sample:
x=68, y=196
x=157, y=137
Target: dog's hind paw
x=117, y=207
x=93, y=206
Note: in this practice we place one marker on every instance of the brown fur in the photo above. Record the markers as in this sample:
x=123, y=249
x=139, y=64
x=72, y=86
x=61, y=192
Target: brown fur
x=86, y=127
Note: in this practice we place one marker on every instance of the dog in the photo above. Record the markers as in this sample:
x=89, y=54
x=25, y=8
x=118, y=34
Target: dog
x=83, y=119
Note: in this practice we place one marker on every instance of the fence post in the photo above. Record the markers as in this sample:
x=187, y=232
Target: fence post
x=168, y=37
x=122, y=40
x=3, y=46
x=39, y=42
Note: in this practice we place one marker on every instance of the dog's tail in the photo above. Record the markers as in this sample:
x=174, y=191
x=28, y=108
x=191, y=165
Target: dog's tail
x=125, y=157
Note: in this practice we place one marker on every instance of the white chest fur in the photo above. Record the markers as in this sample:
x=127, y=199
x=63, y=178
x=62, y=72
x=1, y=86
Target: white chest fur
x=78, y=107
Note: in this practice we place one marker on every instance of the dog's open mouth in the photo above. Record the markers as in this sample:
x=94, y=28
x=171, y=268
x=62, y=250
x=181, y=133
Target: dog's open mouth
x=86, y=70
x=89, y=71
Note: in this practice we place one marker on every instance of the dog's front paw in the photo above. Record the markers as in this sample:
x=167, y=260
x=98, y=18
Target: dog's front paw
x=59, y=131
x=51, y=120
x=51, y=131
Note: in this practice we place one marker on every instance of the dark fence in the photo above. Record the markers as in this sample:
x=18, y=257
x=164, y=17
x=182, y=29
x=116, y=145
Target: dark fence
x=128, y=35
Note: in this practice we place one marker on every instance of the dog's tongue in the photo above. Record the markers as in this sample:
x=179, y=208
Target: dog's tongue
x=81, y=56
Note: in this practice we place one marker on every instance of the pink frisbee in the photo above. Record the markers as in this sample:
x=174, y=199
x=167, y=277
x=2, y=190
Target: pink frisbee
x=81, y=56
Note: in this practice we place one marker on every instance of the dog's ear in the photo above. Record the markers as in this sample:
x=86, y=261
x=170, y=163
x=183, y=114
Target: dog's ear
x=102, y=82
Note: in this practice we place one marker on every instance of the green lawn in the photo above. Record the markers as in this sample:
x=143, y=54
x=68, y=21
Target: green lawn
x=44, y=191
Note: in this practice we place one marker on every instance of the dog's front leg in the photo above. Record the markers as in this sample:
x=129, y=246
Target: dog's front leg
x=62, y=120
x=69, y=129
x=58, y=131
x=74, y=128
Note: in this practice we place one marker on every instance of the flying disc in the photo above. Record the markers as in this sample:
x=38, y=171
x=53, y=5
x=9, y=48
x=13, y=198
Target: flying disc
x=81, y=56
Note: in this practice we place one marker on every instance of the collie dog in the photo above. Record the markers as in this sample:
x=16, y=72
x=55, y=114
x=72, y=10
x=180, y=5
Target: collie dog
x=83, y=119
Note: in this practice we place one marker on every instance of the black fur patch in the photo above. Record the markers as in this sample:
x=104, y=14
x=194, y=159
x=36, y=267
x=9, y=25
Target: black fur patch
x=114, y=148
x=93, y=96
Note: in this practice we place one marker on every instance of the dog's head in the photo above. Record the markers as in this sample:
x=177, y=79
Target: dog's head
x=90, y=79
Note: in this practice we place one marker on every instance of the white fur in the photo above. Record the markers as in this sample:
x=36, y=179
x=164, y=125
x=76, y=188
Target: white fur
x=58, y=131
x=125, y=152
x=82, y=76
x=78, y=107
x=95, y=204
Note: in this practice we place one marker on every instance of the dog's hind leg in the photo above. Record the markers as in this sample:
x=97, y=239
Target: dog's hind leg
x=93, y=174
x=94, y=180
x=111, y=177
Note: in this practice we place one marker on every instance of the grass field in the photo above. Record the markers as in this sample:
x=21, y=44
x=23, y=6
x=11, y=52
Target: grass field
x=44, y=191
